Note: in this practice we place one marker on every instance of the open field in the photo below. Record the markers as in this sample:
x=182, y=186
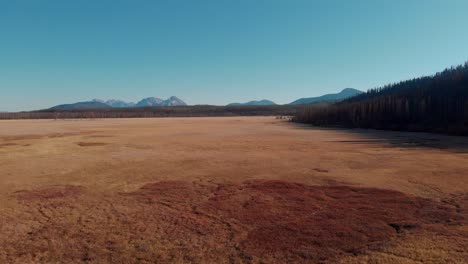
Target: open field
x=228, y=190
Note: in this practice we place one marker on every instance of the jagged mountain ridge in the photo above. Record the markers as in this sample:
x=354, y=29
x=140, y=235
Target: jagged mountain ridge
x=113, y=103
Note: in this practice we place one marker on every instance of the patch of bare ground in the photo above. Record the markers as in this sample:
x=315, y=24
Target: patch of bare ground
x=21, y=137
x=99, y=136
x=320, y=170
x=2, y=145
x=91, y=144
x=32, y=137
x=183, y=221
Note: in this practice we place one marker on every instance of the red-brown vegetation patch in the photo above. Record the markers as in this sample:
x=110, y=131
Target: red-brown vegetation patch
x=280, y=221
x=91, y=144
x=295, y=222
x=49, y=193
x=180, y=195
x=182, y=221
x=173, y=191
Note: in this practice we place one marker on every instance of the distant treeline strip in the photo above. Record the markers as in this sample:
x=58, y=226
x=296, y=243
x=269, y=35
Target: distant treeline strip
x=437, y=103
x=148, y=112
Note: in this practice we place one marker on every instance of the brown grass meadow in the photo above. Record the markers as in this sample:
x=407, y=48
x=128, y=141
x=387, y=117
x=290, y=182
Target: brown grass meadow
x=228, y=190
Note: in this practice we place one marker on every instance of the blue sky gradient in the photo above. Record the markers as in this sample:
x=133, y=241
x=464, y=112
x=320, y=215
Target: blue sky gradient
x=219, y=51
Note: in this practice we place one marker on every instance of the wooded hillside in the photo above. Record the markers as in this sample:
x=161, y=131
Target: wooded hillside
x=437, y=103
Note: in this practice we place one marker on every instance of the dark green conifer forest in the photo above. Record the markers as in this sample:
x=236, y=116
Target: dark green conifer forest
x=437, y=103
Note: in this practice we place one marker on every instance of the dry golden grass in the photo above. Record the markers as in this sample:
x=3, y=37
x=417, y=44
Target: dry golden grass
x=228, y=190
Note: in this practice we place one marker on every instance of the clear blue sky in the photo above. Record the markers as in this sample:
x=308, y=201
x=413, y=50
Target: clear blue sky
x=219, y=51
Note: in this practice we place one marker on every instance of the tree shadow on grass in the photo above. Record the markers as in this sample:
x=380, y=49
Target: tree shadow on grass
x=402, y=139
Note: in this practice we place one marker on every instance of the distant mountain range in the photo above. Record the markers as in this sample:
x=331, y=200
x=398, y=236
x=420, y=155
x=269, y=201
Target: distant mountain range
x=81, y=105
x=116, y=103
x=346, y=93
x=96, y=103
x=174, y=101
x=261, y=102
x=152, y=101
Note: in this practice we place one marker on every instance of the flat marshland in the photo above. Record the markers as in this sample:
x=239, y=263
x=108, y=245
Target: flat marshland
x=228, y=190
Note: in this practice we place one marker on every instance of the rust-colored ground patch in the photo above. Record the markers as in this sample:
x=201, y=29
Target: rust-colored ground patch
x=182, y=221
x=49, y=193
x=288, y=221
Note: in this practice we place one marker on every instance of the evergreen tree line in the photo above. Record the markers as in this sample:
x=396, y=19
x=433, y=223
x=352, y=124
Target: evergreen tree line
x=437, y=103
x=150, y=112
